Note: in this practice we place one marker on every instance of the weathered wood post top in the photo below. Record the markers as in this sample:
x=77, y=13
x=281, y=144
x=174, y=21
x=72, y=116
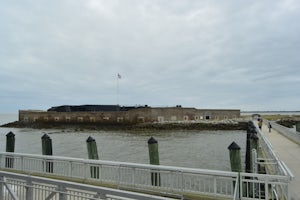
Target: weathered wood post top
x=235, y=157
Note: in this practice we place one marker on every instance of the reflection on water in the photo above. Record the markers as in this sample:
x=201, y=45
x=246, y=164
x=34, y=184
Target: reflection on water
x=198, y=149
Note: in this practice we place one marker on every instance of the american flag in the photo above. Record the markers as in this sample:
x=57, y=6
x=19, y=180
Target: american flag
x=119, y=76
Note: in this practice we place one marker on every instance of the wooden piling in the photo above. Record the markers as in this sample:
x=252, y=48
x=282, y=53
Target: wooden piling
x=235, y=157
x=298, y=126
x=247, y=157
x=10, y=147
x=154, y=160
x=93, y=154
x=252, y=143
x=47, y=150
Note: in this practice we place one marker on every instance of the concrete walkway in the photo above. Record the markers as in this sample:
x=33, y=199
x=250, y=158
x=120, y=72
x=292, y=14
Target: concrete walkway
x=289, y=153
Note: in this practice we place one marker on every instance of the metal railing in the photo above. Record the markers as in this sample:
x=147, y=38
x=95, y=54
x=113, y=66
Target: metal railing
x=139, y=177
x=276, y=166
x=290, y=134
x=17, y=186
x=175, y=181
x=276, y=185
x=264, y=186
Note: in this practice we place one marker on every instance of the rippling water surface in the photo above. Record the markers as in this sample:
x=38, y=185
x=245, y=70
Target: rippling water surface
x=197, y=149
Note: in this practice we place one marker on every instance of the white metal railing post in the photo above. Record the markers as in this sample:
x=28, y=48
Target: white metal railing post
x=86, y=171
x=70, y=169
x=1, y=186
x=181, y=184
x=100, y=196
x=29, y=190
x=215, y=185
x=235, y=187
x=133, y=176
x=22, y=163
x=241, y=185
x=288, y=191
x=44, y=166
x=0, y=161
x=266, y=188
x=119, y=177
x=62, y=192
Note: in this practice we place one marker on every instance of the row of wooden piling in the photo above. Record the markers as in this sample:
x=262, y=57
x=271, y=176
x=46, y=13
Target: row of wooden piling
x=234, y=153
x=235, y=157
x=92, y=154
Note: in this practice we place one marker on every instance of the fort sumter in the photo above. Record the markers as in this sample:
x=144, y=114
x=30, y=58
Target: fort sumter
x=115, y=116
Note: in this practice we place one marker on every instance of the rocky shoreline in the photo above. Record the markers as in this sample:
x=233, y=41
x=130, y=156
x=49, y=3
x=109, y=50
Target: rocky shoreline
x=207, y=125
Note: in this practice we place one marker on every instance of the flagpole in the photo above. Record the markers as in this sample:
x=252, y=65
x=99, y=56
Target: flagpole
x=117, y=89
x=118, y=77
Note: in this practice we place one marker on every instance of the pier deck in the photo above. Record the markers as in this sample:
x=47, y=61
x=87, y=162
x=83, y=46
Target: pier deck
x=288, y=152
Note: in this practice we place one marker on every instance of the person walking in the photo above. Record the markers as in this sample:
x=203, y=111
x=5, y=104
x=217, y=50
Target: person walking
x=270, y=127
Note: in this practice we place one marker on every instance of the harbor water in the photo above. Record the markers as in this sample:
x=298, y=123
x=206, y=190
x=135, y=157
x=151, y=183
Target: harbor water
x=196, y=149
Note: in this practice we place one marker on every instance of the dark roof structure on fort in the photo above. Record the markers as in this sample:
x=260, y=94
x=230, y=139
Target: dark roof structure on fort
x=93, y=108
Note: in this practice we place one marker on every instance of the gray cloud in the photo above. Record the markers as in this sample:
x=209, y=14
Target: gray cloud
x=196, y=53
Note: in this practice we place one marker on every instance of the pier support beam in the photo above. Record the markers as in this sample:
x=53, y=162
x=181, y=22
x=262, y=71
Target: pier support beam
x=252, y=143
x=154, y=160
x=235, y=159
x=93, y=154
x=10, y=147
x=47, y=150
x=298, y=126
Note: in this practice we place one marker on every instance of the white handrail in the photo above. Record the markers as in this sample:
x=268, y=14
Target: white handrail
x=123, y=164
x=76, y=190
x=175, y=180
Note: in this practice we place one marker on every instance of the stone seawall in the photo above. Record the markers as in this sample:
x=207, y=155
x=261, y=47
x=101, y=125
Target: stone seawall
x=211, y=125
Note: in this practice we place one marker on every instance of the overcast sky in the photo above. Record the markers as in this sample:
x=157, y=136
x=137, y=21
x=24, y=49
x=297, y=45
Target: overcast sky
x=196, y=53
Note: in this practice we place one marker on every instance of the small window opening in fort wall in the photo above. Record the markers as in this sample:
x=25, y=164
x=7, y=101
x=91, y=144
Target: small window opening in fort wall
x=120, y=119
x=35, y=119
x=92, y=119
x=225, y=117
x=141, y=119
x=106, y=118
x=185, y=118
x=160, y=119
x=80, y=119
x=68, y=119
x=173, y=118
x=197, y=118
x=56, y=119
x=217, y=117
x=207, y=116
